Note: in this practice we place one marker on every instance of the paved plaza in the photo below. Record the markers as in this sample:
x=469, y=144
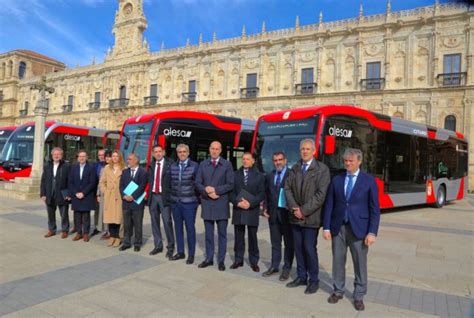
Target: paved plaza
x=420, y=266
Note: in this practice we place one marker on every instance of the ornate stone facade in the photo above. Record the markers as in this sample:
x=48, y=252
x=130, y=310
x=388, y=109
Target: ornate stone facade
x=416, y=64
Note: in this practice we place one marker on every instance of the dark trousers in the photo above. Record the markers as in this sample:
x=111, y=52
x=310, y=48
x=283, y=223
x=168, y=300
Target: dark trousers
x=222, y=234
x=63, y=211
x=185, y=212
x=278, y=232
x=305, y=239
x=239, y=244
x=133, y=224
x=96, y=215
x=156, y=208
x=114, y=230
x=82, y=222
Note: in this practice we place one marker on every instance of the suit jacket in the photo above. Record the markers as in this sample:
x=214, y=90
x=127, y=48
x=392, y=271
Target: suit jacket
x=140, y=178
x=86, y=185
x=272, y=193
x=256, y=187
x=61, y=183
x=222, y=179
x=165, y=186
x=363, y=206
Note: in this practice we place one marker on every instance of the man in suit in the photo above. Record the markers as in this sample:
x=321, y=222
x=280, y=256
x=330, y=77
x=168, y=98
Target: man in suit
x=305, y=191
x=351, y=219
x=278, y=219
x=132, y=207
x=53, y=192
x=184, y=201
x=99, y=165
x=82, y=186
x=248, y=193
x=157, y=194
x=214, y=182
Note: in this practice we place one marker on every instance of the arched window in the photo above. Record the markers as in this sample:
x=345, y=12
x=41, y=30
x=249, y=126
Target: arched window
x=450, y=122
x=21, y=70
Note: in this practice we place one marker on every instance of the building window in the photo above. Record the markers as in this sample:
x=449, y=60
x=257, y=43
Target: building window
x=450, y=123
x=190, y=95
x=373, y=80
x=70, y=100
x=452, y=75
x=307, y=76
x=153, y=90
x=251, y=91
x=123, y=92
x=96, y=103
x=21, y=70
x=192, y=86
x=1, y=96
x=97, y=97
x=307, y=85
x=373, y=70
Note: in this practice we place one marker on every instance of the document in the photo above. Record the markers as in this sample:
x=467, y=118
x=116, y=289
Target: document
x=132, y=186
x=282, y=199
x=140, y=199
x=243, y=194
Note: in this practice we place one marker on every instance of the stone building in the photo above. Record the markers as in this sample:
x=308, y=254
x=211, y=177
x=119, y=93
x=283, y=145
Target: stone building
x=416, y=64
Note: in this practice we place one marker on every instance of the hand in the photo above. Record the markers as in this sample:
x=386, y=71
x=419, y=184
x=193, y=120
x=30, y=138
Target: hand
x=246, y=204
x=68, y=198
x=80, y=195
x=298, y=213
x=369, y=239
x=265, y=214
x=213, y=196
x=210, y=190
x=128, y=198
x=43, y=198
x=327, y=235
x=98, y=199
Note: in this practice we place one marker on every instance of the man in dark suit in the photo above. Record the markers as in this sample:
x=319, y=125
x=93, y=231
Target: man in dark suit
x=248, y=193
x=278, y=219
x=214, y=182
x=82, y=186
x=351, y=219
x=53, y=192
x=131, y=205
x=305, y=191
x=157, y=194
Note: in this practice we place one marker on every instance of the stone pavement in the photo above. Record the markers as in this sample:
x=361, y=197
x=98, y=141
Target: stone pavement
x=421, y=265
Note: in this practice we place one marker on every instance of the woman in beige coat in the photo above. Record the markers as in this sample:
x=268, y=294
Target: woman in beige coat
x=109, y=185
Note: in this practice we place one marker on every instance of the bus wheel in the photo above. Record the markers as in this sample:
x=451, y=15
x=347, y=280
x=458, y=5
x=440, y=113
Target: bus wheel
x=440, y=197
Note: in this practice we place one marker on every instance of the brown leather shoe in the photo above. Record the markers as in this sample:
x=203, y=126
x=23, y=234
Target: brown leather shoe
x=49, y=234
x=236, y=265
x=285, y=274
x=334, y=298
x=64, y=235
x=77, y=237
x=255, y=268
x=359, y=305
x=86, y=238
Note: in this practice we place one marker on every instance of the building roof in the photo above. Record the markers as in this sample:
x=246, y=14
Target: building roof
x=38, y=55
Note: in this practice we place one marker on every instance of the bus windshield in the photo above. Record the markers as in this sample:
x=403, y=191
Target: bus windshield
x=4, y=134
x=282, y=136
x=20, y=146
x=136, y=138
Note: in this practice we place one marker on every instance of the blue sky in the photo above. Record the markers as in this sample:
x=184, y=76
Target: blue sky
x=76, y=31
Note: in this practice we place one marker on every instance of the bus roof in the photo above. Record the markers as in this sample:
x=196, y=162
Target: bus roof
x=380, y=121
x=8, y=127
x=54, y=126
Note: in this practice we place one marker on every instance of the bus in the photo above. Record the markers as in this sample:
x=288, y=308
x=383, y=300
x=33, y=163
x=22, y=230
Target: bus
x=17, y=156
x=5, y=132
x=196, y=129
x=411, y=162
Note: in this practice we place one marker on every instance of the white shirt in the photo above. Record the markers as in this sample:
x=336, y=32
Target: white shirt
x=354, y=179
x=161, y=162
x=81, y=170
x=55, y=168
x=307, y=164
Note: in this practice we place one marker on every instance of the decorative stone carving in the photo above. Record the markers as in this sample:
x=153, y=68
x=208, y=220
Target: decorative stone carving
x=451, y=41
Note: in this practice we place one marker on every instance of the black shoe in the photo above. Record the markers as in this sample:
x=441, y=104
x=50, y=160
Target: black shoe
x=312, y=288
x=190, y=260
x=177, y=257
x=169, y=254
x=156, y=251
x=359, y=305
x=285, y=274
x=136, y=248
x=334, y=298
x=236, y=265
x=297, y=282
x=123, y=248
x=270, y=272
x=221, y=267
x=205, y=264
x=255, y=268
x=95, y=232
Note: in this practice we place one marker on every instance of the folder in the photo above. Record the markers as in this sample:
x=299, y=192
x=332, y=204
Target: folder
x=140, y=199
x=132, y=186
x=282, y=199
x=65, y=193
x=243, y=194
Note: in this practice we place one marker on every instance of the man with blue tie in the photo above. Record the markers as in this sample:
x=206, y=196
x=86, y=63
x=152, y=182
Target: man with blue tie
x=351, y=219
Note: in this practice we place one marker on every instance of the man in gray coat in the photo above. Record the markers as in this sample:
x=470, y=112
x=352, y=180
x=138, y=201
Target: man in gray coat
x=214, y=182
x=305, y=191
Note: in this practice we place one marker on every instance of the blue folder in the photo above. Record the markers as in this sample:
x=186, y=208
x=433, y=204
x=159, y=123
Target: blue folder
x=282, y=199
x=132, y=186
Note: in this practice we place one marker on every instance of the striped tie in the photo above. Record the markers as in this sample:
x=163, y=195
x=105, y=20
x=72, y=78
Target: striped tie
x=246, y=176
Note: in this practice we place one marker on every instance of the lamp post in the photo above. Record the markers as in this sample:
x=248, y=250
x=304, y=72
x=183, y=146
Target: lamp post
x=40, y=111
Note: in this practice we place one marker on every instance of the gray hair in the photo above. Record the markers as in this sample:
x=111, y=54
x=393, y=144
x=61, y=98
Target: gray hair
x=308, y=141
x=182, y=146
x=349, y=152
x=57, y=149
x=135, y=155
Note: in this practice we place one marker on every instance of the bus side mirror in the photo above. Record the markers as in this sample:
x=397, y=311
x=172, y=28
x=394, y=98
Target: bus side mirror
x=329, y=144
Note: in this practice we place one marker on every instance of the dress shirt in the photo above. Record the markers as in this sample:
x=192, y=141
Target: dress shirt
x=282, y=174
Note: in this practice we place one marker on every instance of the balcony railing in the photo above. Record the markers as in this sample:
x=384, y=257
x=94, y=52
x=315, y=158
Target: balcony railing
x=305, y=88
x=67, y=108
x=452, y=79
x=150, y=100
x=189, y=96
x=118, y=103
x=23, y=112
x=372, y=84
x=249, y=92
x=94, y=105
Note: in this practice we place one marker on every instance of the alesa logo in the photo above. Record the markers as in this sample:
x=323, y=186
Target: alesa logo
x=176, y=133
x=339, y=132
x=72, y=137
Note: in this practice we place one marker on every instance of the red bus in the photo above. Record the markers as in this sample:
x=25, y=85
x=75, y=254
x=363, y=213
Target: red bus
x=412, y=163
x=17, y=158
x=196, y=129
x=5, y=132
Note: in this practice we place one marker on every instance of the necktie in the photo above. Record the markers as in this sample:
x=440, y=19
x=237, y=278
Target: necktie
x=246, y=176
x=133, y=173
x=304, y=168
x=214, y=163
x=278, y=180
x=181, y=168
x=350, y=184
x=158, y=177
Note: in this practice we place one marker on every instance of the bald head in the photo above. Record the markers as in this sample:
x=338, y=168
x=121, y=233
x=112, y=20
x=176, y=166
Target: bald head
x=215, y=149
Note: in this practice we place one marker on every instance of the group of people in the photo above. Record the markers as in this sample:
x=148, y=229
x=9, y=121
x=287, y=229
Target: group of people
x=297, y=201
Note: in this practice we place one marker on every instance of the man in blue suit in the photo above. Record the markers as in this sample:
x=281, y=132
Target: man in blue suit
x=351, y=219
